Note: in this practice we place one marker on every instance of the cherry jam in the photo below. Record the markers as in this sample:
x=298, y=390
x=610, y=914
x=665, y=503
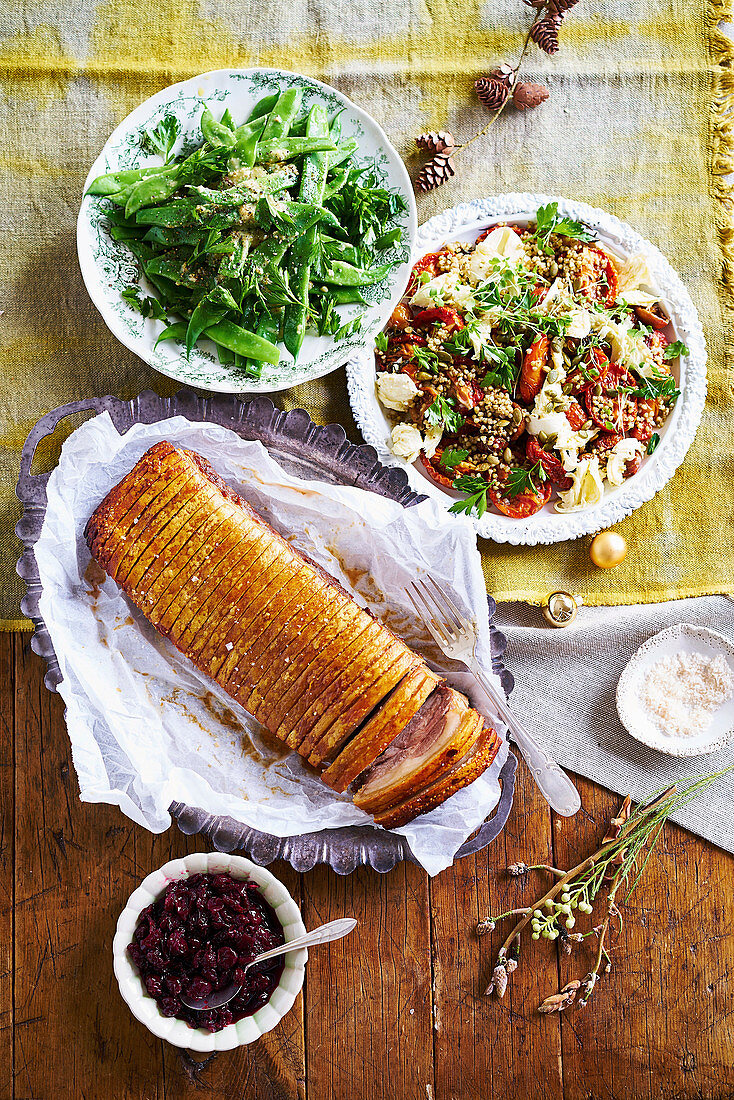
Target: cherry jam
x=196, y=937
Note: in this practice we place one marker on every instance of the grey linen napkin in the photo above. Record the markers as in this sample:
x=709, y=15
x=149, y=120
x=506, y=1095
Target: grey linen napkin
x=565, y=683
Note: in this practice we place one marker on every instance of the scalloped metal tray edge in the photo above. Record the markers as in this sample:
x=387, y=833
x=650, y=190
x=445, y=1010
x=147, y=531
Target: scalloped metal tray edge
x=304, y=448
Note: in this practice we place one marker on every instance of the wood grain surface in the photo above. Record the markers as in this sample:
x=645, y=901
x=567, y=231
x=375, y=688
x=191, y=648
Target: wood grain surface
x=395, y=1011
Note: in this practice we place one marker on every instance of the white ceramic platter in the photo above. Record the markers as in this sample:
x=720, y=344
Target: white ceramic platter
x=108, y=267
x=464, y=223
x=676, y=639
x=178, y=1032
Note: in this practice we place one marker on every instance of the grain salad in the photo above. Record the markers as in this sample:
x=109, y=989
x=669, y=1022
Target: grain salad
x=529, y=366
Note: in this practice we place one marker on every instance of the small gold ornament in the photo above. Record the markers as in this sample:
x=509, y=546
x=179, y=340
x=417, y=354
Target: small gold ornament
x=560, y=608
x=608, y=549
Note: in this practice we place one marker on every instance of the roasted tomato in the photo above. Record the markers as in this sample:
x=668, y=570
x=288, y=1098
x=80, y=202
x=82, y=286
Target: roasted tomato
x=523, y=505
x=468, y=394
x=611, y=409
x=655, y=316
x=591, y=371
x=604, y=442
x=428, y=263
x=576, y=416
x=632, y=466
x=531, y=374
x=435, y=471
x=439, y=315
x=400, y=317
x=647, y=410
x=598, y=279
x=552, y=465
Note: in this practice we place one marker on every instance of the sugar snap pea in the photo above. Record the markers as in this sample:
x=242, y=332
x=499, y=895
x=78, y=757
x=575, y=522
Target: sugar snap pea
x=344, y=274
x=278, y=150
x=216, y=133
x=313, y=178
x=262, y=230
x=282, y=114
x=263, y=106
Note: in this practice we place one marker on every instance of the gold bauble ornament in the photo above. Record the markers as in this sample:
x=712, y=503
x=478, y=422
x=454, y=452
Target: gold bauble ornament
x=608, y=549
x=560, y=608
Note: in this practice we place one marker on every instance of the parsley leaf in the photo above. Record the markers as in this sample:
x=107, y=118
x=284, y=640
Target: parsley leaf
x=426, y=358
x=452, y=456
x=521, y=481
x=476, y=501
x=381, y=342
x=653, y=442
x=349, y=328
x=674, y=350
x=149, y=307
x=548, y=221
x=442, y=413
x=162, y=138
x=651, y=388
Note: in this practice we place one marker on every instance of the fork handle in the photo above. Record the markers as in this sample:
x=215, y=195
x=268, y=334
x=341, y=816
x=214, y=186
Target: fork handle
x=553, y=783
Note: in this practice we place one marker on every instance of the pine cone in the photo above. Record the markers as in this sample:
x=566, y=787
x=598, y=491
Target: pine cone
x=436, y=141
x=545, y=33
x=529, y=95
x=435, y=173
x=492, y=91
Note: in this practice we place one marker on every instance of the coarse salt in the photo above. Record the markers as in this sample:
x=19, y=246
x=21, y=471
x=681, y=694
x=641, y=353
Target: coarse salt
x=681, y=692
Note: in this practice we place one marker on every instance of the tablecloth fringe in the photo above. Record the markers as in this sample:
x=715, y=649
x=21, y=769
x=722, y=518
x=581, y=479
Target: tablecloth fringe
x=722, y=143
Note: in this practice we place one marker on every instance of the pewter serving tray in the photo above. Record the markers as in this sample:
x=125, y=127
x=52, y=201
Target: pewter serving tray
x=306, y=450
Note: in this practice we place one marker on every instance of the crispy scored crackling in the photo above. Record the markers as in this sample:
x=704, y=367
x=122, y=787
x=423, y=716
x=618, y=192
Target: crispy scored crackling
x=285, y=640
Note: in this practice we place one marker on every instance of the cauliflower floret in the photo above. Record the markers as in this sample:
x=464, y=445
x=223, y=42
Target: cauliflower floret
x=396, y=391
x=407, y=442
x=617, y=459
x=587, y=489
x=502, y=242
x=446, y=288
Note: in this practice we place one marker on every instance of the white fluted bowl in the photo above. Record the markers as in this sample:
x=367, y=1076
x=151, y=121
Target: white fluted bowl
x=175, y=1031
x=464, y=223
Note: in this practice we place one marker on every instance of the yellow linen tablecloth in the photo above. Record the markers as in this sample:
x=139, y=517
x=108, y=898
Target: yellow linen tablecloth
x=636, y=123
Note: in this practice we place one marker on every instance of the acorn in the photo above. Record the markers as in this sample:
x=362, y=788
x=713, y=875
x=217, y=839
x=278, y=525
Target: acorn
x=608, y=549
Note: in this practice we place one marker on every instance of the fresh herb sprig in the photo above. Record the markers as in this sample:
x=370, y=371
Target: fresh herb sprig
x=162, y=138
x=521, y=480
x=442, y=413
x=476, y=500
x=452, y=457
x=675, y=350
x=548, y=221
x=617, y=865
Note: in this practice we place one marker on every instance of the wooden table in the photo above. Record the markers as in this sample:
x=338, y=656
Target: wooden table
x=395, y=1012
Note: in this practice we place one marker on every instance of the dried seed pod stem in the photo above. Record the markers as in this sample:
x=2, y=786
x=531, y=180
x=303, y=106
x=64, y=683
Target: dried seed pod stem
x=625, y=850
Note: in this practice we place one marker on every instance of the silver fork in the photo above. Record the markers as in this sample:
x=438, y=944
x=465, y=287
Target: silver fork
x=456, y=636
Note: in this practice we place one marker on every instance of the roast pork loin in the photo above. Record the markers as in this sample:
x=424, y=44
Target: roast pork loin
x=284, y=639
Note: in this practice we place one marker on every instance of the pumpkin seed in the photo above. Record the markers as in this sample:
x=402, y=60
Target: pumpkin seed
x=444, y=356
x=517, y=415
x=503, y=423
x=424, y=376
x=493, y=460
x=553, y=269
x=507, y=455
x=553, y=375
x=542, y=437
x=597, y=390
x=587, y=425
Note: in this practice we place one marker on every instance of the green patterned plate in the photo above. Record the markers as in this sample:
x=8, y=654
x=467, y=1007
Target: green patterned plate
x=108, y=267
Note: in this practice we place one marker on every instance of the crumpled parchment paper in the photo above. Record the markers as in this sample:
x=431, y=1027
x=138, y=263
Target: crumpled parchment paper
x=148, y=729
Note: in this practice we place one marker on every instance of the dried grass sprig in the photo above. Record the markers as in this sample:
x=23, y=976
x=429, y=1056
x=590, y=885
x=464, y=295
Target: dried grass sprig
x=627, y=846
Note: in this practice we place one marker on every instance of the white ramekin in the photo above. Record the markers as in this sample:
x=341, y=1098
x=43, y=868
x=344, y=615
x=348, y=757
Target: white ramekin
x=143, y=1006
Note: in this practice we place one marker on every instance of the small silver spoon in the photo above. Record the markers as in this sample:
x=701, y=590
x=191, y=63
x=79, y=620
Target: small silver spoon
x=334, y=930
